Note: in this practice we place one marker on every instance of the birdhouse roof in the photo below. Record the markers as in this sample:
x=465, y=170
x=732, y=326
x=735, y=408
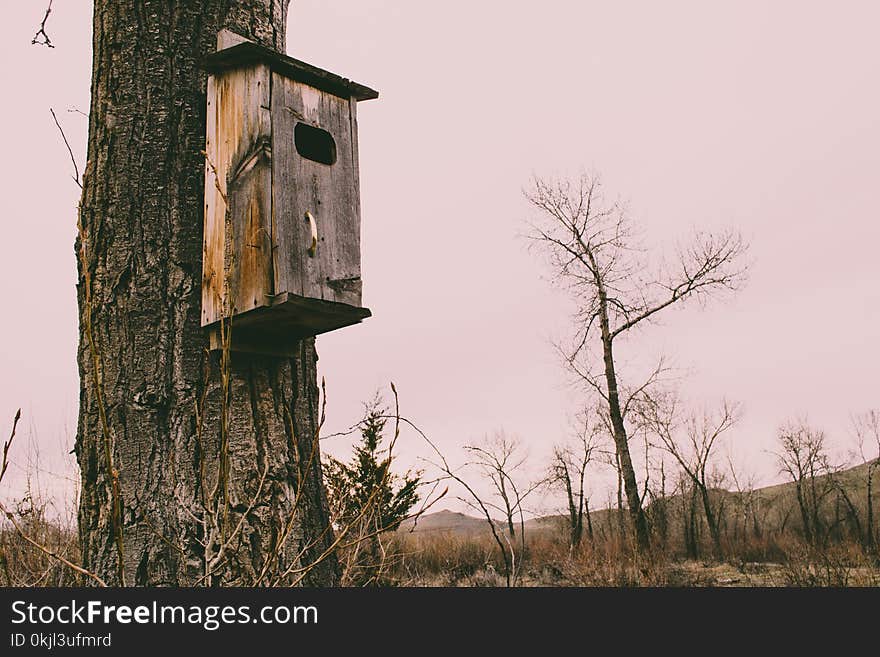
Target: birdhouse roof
x=245, y=54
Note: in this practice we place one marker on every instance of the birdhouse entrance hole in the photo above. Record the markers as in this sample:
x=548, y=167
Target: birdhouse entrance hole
x=314, y=144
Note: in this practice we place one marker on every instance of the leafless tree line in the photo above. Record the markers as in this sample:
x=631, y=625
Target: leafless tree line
x=827, y=501
x=712, y=498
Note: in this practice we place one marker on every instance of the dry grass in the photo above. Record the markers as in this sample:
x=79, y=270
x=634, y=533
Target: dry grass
x=432, y=559
x=22, y=564
x=39, y=547
x=446, y=559
x=36, y=537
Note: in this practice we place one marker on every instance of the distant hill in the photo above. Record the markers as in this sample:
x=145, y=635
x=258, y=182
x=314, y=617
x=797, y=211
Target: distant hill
x=461, y=524
x=446, y=521
x=777, y=504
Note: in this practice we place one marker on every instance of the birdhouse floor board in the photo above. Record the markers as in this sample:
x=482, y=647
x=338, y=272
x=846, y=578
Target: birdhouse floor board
x=275, y=329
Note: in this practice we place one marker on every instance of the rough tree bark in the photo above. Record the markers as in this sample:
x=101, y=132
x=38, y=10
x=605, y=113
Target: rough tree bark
x=142, y=354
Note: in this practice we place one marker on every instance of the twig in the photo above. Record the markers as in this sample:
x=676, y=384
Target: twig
x=339, y=544
x=41, y=38
x=216, y=562
x=282, y=540
x=75, y=177
x=8, y=443
x=47, y=551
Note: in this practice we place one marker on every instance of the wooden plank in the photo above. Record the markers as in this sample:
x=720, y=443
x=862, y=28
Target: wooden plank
x=238, y=194
x=348, y=283
x=213, y=245
x=312, y=315
x=250, y=198
x=328, y=192
x=290, y=238
x=297, y=316
x=274, y=330
x=341, y=263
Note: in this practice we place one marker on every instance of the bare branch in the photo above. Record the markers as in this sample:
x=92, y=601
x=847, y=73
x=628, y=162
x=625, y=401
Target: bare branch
x=76, y=177
x=41, y=38
x=711, y=263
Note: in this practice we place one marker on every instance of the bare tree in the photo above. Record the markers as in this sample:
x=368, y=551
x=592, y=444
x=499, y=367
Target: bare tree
x=803, y=457
x=692, y=441
x=475, y=501
x=568, y=470
x=748, y=501
x=867, y=432
x=593, y=252
x=658, y=510
x=687, y=494
x=500, y=458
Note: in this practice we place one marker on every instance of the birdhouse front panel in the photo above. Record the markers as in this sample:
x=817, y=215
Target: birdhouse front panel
x=318, y=250
x=282, y=199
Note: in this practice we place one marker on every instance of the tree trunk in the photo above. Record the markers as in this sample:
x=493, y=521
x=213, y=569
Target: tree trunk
x=818, y=530
x=589, y=520
x=575, y=522
x=621, y=442
x=621, y=526
x=756, y=524
x=691, y=531
x=662, y=512
x=869, y=511
x=805, y=516
x=157, y=426
x=711, y=520
x=508, y=510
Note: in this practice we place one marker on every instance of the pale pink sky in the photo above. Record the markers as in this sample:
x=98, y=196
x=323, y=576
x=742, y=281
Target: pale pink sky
x=764, y=116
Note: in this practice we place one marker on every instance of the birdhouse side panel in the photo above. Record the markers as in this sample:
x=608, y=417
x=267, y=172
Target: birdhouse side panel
x=315, y=194
x=349, y=274
x=237, y=265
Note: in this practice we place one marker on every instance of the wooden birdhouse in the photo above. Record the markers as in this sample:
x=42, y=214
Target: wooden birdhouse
x=282, y=203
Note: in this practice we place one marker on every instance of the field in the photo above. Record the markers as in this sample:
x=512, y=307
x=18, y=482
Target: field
x=763, y=545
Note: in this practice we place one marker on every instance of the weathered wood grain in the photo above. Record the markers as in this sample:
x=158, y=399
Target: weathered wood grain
x=238, y=228
x=329, y=192
x=277, y=329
